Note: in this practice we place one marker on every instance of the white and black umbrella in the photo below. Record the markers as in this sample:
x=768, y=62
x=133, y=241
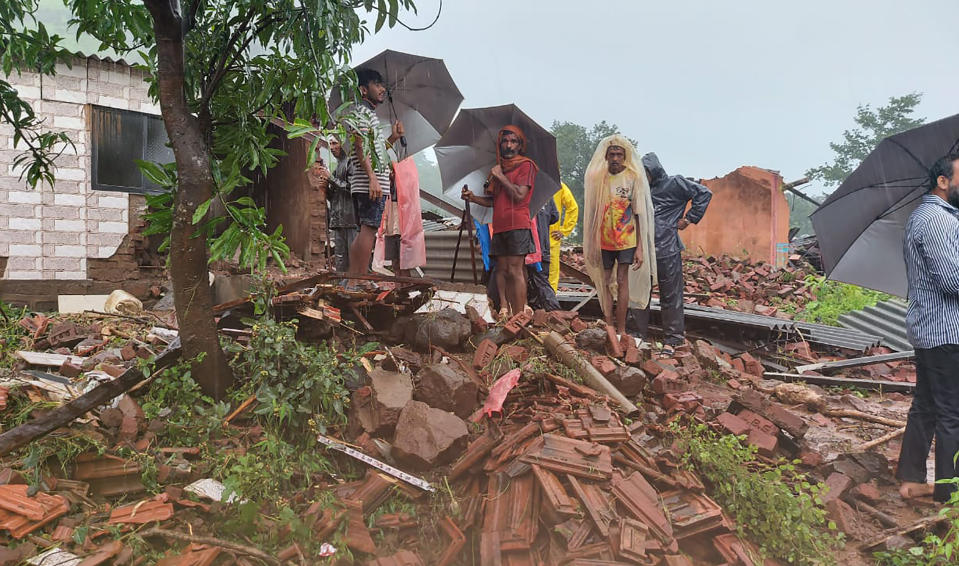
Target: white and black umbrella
x=467, y=152
x=421, y=94
x=860, y=227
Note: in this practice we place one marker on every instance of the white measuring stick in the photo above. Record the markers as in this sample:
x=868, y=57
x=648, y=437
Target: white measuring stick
x=410, y=479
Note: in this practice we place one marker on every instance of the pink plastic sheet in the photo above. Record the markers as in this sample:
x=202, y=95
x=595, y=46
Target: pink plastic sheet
x=497, y=393
x=412, y=240
x=405, y=217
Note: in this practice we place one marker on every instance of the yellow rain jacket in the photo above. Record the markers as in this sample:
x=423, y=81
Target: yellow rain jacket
x=568, y=216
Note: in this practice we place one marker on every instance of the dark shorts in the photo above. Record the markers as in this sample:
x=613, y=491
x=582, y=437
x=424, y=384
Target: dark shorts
x=369, y=212
x=512, y=242
x=622, y=257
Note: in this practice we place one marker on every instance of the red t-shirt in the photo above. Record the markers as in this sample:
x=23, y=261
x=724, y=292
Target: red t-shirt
x=507, y=213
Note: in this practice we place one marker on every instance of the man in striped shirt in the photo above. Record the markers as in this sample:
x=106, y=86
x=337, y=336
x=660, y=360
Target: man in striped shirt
x=370, y=177
x=931, y=251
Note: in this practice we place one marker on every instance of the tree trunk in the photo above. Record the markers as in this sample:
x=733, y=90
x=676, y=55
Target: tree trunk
x=188, y=255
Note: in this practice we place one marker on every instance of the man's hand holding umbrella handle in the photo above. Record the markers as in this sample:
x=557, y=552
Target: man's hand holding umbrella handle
x=557, y=235
x=397, y=132
x=682, y=224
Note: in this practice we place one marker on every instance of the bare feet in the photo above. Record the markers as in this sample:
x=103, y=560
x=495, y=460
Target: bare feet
x=913, y=490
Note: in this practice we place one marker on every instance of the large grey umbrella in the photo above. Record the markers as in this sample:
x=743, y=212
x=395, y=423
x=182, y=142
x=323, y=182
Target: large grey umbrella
x=860, y=226
x=422, y=95
x=467, y=152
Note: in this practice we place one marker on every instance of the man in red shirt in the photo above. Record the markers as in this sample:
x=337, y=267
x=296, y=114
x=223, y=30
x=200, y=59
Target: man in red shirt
x=509, y=189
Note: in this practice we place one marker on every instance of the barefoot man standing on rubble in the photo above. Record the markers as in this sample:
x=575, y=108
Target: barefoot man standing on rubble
x=618, y=229
x=510, y=188
x=931, y=251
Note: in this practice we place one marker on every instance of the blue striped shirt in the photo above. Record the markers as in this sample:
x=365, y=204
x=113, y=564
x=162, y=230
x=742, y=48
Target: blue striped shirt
x=931, y=251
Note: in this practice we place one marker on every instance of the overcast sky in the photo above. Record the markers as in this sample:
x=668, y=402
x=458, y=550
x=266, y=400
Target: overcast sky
x=708, y=85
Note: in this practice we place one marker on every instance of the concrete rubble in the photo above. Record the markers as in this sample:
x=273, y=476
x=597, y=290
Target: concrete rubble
x=561, y=473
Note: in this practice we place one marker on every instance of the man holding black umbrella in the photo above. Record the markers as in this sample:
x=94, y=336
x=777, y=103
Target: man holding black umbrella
x=370, y=178
x=510, y=188
x=931, y=251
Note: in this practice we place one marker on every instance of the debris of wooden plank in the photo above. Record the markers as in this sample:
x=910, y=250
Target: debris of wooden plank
x=30, y=430
x=184, y=537
x=882, y=439
x=922, y=525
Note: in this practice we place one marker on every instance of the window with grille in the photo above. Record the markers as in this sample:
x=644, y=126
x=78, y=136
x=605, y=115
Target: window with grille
x=119, y=138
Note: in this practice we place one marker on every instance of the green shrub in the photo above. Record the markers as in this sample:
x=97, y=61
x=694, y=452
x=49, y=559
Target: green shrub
x=190, y=418
x=299, y=387
x=775, y=506
x=834, y=298
x=11, y=333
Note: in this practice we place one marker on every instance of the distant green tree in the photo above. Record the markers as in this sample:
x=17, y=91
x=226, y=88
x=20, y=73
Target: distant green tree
x=873, y=126
x=575, y=145
x=799, y=211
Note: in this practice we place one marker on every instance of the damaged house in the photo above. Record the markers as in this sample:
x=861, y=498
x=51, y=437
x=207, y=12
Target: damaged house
x=84, y=234
x=747, y=218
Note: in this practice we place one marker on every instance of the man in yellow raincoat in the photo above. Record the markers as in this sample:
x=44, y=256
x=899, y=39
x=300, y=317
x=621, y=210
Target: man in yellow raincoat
x=568, y=216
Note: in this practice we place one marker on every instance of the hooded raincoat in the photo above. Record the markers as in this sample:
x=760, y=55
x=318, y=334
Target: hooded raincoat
x=597, y=196
x=671, y=194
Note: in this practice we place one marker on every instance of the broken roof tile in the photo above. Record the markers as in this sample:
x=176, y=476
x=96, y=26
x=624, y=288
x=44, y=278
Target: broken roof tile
x=570, y=456
x=141, y=512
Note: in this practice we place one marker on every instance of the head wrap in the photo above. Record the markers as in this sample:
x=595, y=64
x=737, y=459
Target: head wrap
x=513, y=162
x=597, y=197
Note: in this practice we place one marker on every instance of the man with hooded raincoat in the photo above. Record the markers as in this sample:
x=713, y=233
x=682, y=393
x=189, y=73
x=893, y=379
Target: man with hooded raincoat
x=568, y=211
x=671, y=194
x=618, y=229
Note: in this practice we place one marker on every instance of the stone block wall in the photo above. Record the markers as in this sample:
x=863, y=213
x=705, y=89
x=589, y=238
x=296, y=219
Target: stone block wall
x=54, y=232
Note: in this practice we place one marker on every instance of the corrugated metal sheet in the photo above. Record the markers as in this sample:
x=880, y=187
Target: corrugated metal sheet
x=789, y=329
x=887, y=319
x=440, y=247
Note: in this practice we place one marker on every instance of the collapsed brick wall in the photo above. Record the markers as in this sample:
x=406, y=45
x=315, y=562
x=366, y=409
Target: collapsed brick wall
x=132, y=253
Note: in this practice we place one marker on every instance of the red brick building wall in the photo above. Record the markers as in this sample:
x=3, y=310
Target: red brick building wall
x=747, y=217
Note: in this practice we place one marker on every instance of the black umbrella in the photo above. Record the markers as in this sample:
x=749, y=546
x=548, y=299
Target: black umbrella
x=421, y=93
x=467, y=152
x=860, y=226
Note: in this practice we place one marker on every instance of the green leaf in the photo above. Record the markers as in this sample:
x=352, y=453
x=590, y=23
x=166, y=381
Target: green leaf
x=201, y=211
